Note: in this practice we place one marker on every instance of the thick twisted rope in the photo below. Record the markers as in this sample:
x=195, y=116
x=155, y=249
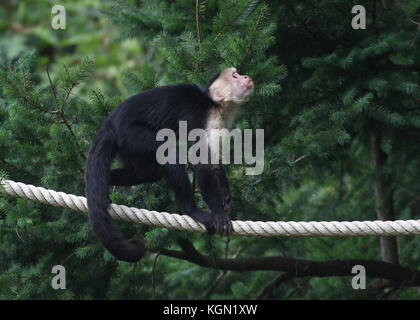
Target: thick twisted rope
x=245, y=228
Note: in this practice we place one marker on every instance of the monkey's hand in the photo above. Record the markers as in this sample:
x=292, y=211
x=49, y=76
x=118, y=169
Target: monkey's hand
x=219, y=223
x=222, y=223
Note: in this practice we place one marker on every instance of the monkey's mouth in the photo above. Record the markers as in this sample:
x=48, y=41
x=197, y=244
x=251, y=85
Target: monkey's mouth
x=250, y=84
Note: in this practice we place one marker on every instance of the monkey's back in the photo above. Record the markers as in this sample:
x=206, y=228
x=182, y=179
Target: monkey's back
x=163, y=107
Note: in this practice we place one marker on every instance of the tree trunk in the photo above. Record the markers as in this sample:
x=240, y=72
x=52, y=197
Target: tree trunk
x=383, y=197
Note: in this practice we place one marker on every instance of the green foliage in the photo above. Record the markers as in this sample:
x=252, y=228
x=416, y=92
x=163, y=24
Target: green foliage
x=342, y=87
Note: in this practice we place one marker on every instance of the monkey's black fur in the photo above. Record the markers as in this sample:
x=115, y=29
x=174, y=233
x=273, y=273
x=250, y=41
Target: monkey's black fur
x=130, y=133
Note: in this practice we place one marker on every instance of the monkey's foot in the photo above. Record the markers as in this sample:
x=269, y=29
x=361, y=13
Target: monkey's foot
x=219, y=223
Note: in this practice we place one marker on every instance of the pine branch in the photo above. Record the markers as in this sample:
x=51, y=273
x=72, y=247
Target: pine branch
x=73, y=84
x=18, y=169
x=51, y=86
x=60, y=112
x=23, y=96
x=273, y=284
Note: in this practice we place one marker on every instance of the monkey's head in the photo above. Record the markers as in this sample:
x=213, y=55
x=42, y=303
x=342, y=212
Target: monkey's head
x=230, y=87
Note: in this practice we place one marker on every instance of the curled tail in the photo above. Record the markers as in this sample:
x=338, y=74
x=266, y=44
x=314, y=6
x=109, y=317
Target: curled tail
x=97, y=177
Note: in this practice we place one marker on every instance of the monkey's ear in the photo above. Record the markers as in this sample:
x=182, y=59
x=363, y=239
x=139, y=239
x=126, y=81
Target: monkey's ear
x=218, y=95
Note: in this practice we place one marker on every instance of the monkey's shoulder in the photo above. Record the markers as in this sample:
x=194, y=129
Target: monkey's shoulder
x=189, y=93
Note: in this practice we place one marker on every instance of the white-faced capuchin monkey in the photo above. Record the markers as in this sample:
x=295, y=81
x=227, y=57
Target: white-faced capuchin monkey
x=130, y=131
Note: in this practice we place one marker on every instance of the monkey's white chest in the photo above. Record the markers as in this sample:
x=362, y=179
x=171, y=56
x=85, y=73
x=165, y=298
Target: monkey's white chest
x=220, y=120
x=218, y=124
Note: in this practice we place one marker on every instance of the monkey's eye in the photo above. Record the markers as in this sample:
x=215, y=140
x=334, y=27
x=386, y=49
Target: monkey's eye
x=235, y=75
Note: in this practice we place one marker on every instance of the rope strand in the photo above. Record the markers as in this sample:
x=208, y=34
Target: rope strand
x=243, y=228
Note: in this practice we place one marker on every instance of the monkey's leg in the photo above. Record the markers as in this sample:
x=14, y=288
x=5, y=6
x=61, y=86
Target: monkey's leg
x=177, y=177
x=214, y=187
x=141, y=146
x=140, y=153
x=220, y=174
x=138, y=158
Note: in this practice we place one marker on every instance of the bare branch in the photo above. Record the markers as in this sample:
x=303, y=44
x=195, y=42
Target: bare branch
x=298, y=267
x=383, y=195
x=197, y=22
x=153, y=273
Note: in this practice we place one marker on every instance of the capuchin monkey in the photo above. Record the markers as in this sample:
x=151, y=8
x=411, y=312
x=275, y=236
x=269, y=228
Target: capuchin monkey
x=130, y=131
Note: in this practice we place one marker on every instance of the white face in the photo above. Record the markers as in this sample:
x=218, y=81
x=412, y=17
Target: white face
x=242, y=85
x=231, y=87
